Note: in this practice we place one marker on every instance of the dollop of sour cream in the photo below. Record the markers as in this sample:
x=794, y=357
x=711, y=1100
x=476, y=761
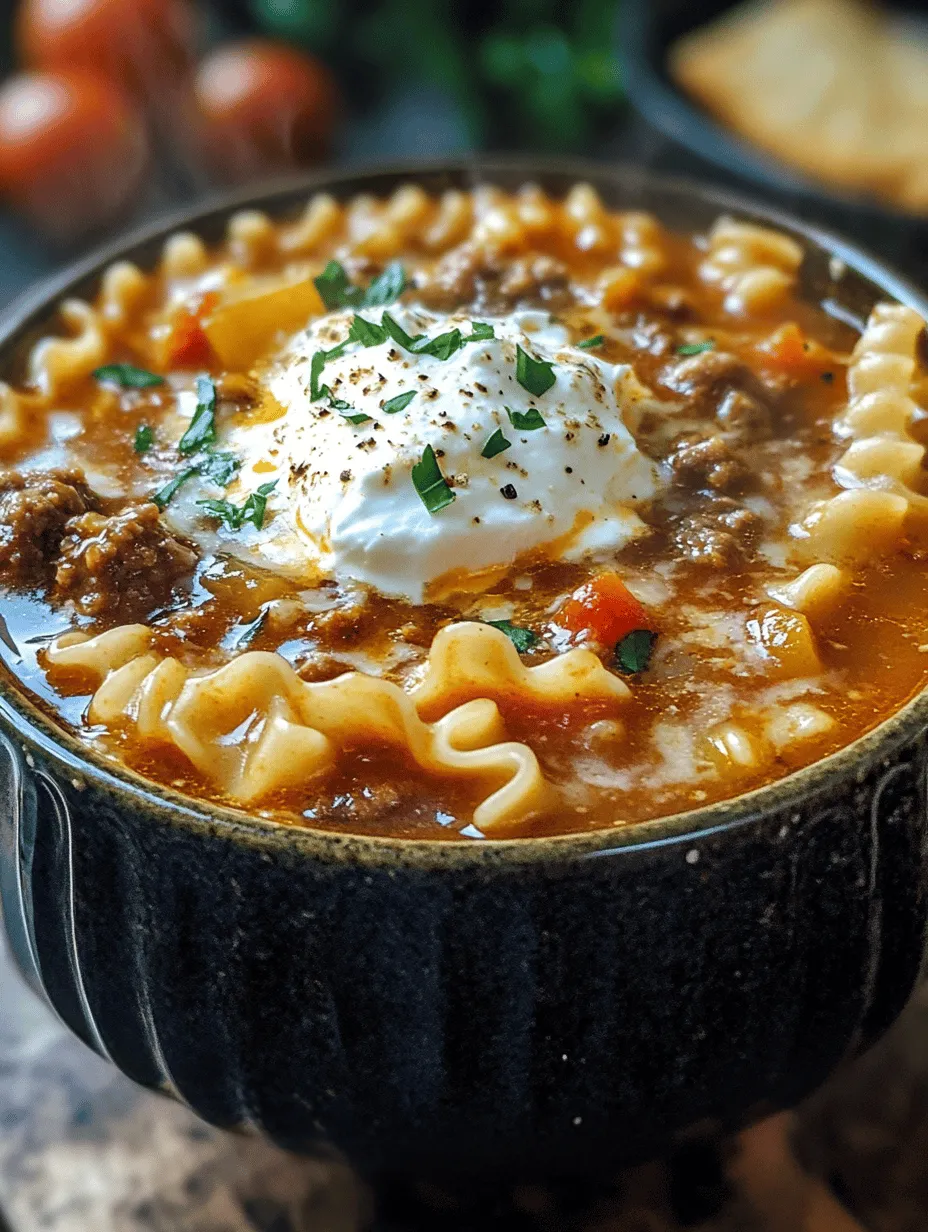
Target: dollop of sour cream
x=345, y=504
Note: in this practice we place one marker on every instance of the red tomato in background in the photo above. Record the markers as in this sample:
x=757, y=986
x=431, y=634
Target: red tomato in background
x=142, y=44
x=264, y=107
x=73, y=151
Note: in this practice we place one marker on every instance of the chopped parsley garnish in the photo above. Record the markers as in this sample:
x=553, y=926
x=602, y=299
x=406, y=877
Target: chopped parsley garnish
x=535, y=375
x=386, y=287
x=497, y=443
x=128, y=376
x=588, y=343
x=202, y=430
x=526, y=421
x=317, y=363
x=253, y=510
x=430, y=483
x=144, y=439
x=523, y=639
x=353, y=417
x=336, y=291
x=393, y=405
x=633, y=652
x=481, y=331
x=399, y=335
x=696, y=348
x=215, y=467
x=368, y=333
x=442, y=347
x=337, y=404
x=166, y=494
x=219, y=468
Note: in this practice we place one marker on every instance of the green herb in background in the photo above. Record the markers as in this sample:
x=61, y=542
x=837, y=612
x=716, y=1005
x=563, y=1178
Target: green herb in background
x=533, y=73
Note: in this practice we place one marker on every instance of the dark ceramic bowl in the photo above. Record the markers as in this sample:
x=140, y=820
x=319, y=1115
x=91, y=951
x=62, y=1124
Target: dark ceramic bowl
x=515, y=1007
x=645, y=32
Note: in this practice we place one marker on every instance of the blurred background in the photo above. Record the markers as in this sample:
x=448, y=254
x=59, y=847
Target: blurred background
x=114, y=110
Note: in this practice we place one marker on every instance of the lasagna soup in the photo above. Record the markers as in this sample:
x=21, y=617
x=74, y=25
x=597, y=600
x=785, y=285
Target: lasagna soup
x=480, y=515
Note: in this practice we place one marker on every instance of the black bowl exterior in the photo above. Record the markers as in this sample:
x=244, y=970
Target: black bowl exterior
x=490, y=1016
x=514, y=1007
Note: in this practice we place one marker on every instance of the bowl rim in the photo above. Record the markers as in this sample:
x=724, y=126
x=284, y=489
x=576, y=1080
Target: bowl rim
x=680, y=118
x=27, y=722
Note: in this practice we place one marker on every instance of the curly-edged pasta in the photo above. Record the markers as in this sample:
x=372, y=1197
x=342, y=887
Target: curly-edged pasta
x=123, y=288
x=184, y=255
x=854, y=526
x=57, y=363
x=881, y=409
x=754, y=266
x=487, y=512
x=255, y=727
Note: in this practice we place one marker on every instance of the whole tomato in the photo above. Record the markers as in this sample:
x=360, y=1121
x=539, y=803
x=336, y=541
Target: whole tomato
x=264, y=107
x=73, y=151
x=145, y=45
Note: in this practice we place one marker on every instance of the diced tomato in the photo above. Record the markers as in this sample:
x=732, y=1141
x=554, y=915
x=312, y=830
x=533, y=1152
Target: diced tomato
x=188, y=345
x=789, y=350
x=605, y=609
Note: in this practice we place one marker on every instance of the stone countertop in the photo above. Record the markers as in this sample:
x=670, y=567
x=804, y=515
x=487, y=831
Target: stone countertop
x=82, y=1149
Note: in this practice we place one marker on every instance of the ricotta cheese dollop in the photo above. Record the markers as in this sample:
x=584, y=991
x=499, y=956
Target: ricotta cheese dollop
x=564, y=473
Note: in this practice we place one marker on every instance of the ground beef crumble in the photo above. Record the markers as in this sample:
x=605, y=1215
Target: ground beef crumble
x=708, y=464
x=128, y=563
x=35, y=508
x=721, y=535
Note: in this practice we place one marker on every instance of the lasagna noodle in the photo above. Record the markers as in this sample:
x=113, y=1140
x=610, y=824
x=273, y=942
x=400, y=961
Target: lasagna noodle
x=253, y=727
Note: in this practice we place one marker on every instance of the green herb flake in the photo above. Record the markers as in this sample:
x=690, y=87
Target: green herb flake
x=316, y=364
x=386, y=287
x=219, y=468
x=441, y=347
x=202, y=430
x=523, y=639
x=334, y=288
x=166, y=494
x=367, y=333
x=535, y=375
x=430, y=483
x=589, y=343
x=234, y=517
x=497, y=443
x=337, y=291
x=353, y=417
x=481, y=332
x=127, y=376
x=144, y=439
x=633, y=652
x=526, y=421
x=255, y=507
x=696, y=348
x=399, y=335
x=393, y=405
